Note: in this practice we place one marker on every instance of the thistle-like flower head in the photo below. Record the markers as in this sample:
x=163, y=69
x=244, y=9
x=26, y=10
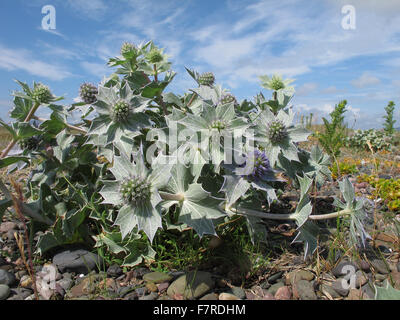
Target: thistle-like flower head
x=257, y=165
x=277, y=131
x=88, y=93
x=136, y=191
x=155, y=56
x=41, y=93
x=275, y=83
x=120, y=111
x=127, y=47
x=228, y=98
x=219, y=124
x=29, y=144
x=206, y=79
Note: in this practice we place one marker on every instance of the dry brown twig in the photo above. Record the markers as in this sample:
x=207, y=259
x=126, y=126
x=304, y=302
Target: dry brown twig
x=17, y=202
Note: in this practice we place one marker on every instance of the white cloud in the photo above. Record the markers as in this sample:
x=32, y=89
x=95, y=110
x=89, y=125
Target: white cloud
x=96, y=69
x=93, y=9
x=294, y=36
x=330, y=90
x=306, y=89
x=365, y=80
x=21, y=59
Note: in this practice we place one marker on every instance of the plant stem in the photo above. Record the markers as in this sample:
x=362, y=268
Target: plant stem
x=172, y=197
x=27, y=119
x=277, y=216
x=155, y=73
x=69, y=126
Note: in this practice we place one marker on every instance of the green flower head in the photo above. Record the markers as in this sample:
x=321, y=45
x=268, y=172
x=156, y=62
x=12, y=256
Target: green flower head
x=155, y=56
x=88, y=93
x=206, y=79
x=41, y=93
x=277, y=132
x=120, y=111
x=275, y=83
x=127, y=48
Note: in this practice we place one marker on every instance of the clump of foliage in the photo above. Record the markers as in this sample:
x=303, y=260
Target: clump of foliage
x=378, y=139
x=389, y=121
x=332, y=139
x=143, y=161
x=345, y=167
x=387, y=189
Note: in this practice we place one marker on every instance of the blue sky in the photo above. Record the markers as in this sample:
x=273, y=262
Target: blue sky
x=237, y=40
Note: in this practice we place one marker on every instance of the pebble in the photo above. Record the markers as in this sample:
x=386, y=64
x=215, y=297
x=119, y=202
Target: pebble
x=140, y=272
x=114, y=271
x=283, y=293
x=344, y=268
x=65, y=283
x=157, y=277
x=395, y=276
x=274, y=288
x=304, y=290
x=141, y=291
x=151, y=296
x=380, y=266
x=238, y=292
x=131, y=296
x=78, y=261
x=191, y=285
x=4, y=291
x=227, y=296
x=297, y=275
x=339, y=288
x=361, y=279
x=26, y=282
x=272, y=279
x=368, y=290
x=7, y=278
x=152, y=287
x=210, y=296
x=162, y=287
x=20, y=293
x=7, y=226
x=364, y=265
x=330, y=290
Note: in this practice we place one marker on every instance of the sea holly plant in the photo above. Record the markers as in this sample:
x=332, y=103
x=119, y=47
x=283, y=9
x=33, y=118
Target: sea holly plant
x=142, y=161
x=276, y=134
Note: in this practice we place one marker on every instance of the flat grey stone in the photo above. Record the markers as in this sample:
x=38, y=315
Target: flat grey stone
x=274, y=288
x=78, y=261
x=192, y=285
x=341, y=289
x=238, y=292
x=330, y=290
x=380, y=266
x=344, y=268
x=7, y=278
x=4, y=291
x=305, y=290
x=157, y=277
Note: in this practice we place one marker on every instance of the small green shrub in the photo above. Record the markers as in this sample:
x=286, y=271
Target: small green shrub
x=379, y=140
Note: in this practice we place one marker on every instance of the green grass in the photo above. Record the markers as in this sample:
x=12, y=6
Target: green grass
x=236, y=253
